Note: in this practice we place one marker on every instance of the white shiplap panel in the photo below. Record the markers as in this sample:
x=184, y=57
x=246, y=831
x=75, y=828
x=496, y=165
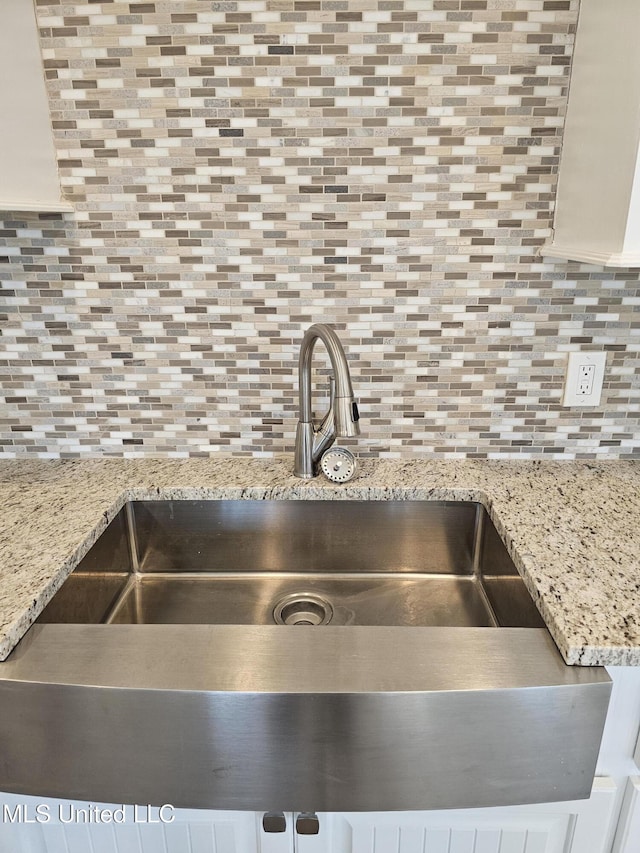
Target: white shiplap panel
x=152, y=839
x=488, y=841
x=411, y=839
x=127, y=839
x=80, y=838
x=513, y=841
x=176, y=838
x=225, y=838
x=201, y=838
x=77, y=838
x=34, y=842
x=54, y=838
x=21, y=839
x=386, y=839
x=537, y=842
x=363, y=837
x=10, y=840
x=103, y=839
x=462, y=841
x=437, y=840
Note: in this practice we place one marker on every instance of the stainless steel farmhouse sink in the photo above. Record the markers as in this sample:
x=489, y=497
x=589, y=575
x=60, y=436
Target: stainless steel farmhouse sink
x=298, y=655
x=298, y=562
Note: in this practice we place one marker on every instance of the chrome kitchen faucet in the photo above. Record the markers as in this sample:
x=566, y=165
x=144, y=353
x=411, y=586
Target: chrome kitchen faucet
x=342, y=417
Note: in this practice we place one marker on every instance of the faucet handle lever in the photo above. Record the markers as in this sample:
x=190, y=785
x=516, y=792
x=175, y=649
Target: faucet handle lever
x=332, y=390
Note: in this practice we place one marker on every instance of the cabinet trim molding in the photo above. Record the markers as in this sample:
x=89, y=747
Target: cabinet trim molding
x=604, y=259
x=627, y=838
x=38, y=206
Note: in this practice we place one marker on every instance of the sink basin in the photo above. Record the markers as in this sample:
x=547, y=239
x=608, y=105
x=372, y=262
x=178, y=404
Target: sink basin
x=298, y=655
x=408, y=563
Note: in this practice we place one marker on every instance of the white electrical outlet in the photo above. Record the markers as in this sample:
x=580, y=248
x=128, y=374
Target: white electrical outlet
x=585, y=375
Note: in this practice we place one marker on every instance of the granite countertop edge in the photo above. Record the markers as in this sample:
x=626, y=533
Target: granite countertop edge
x=570, y=527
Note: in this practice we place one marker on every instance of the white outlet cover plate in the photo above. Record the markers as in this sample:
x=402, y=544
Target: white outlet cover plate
x=576, y=359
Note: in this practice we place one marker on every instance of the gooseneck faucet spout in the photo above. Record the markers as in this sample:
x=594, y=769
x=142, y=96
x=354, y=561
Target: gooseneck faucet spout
x=342, y=417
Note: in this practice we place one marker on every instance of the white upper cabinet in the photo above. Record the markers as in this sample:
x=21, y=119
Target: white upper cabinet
x=28, y=168
x=597, y=217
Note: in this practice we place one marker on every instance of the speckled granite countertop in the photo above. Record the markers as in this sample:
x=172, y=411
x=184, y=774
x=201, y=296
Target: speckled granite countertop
x=572, y=528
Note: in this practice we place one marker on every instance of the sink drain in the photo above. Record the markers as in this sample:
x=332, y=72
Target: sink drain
x=302, y=609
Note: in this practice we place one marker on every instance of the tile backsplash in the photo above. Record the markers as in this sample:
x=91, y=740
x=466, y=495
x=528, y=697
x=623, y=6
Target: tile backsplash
x=241, y=169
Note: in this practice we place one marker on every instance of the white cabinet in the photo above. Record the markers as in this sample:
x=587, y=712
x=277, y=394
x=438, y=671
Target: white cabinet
x=581, y=826
x=28, y=167
x=39, y=825
x=597, y=216
x=627, y=838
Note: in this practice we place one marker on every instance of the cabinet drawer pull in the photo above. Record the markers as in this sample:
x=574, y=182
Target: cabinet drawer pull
x=274, y=822
x=307, y=823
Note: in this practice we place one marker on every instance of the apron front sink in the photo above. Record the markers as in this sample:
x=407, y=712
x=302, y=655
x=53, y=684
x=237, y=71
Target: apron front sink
x=298, y=655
